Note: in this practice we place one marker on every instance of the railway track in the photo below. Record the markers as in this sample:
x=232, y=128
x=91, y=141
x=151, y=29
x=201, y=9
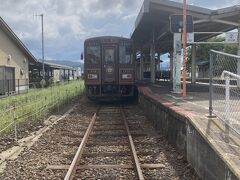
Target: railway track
x=117, y=145
x=107, y=153
x=106, y=145
x=108, y=121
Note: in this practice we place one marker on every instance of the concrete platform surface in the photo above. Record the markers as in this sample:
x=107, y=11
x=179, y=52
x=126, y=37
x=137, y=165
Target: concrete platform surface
x=225, y=142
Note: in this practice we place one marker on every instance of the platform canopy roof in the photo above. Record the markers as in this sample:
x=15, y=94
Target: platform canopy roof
x=48, y=65
x=153, y=21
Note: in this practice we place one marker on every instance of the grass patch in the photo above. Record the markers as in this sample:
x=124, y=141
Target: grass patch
x=37, y=103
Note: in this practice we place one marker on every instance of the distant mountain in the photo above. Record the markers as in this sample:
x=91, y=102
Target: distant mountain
x=67, y=63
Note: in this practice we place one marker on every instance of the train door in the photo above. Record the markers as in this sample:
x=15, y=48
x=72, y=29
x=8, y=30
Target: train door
x=109, y=64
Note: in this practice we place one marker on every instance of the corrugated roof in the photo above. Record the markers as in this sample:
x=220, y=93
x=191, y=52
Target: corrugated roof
x=54, y=65
x=154, y=16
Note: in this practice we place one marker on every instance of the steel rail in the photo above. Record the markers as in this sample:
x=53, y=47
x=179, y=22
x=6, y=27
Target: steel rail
x=73, y=167
x=134, y=153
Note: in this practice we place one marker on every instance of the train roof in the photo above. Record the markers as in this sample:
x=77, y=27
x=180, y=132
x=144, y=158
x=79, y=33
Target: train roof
x=107, y=37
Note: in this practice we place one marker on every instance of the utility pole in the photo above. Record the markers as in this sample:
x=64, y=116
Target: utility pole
x=238, y=53
x=184, y=39
x=43, y=69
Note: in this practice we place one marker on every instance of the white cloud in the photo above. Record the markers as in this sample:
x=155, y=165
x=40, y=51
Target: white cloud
x=213, y=4
x=68, y=23
x=65, y=22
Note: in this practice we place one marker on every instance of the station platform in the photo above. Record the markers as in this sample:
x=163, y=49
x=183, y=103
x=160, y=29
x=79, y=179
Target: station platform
x=211, y=150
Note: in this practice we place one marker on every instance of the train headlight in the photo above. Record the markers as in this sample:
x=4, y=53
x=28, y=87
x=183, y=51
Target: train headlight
x=126, y=76
x=92, y=76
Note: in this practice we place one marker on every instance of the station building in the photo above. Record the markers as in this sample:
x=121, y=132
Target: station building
x=14, y=61
x=55, y=72
x=19, y=69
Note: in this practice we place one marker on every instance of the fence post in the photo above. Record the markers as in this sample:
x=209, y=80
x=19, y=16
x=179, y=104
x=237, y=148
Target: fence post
x=35, y=112
x=227, y=100
x=18, y=87
x=211, y=84
x=45, y=108
x=8, y=84
x=51, y=97
x=67, y=96
x=80, y=90
x=58, y=102
x=14, y=119
x=41, y=109
x=75, y=97
x=28, y=85
x=227, y=107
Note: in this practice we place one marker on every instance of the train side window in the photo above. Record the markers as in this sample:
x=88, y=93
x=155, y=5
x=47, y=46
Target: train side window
x=93, y=54
x=125, y=54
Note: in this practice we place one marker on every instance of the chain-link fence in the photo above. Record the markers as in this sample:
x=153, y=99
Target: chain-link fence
x=13, y=86
x=17, y=86
x=36, y=104
x=225, y=88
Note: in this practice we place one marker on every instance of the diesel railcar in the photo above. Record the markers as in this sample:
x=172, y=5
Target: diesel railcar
x=108, y=67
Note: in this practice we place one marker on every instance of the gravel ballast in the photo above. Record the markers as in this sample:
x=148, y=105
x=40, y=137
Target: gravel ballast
x=58, y=146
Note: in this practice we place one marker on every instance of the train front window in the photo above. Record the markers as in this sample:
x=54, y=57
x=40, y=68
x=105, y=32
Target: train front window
x=125, y=54
x=109, y=55
x=93, y=54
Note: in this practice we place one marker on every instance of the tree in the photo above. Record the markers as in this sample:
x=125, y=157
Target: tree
x=231, y=48
x=202, y=50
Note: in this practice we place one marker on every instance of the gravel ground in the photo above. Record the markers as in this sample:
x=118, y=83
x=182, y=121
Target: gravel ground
x=7, y=139
x=107, y=160
x=108, y=174
x=153, y=148
x=24, y=129
x=58, y=146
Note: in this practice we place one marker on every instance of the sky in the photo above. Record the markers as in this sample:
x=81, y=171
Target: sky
x=67, y=23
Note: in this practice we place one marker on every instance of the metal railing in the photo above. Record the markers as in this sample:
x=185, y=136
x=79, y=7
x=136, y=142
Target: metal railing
x=224, y=101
